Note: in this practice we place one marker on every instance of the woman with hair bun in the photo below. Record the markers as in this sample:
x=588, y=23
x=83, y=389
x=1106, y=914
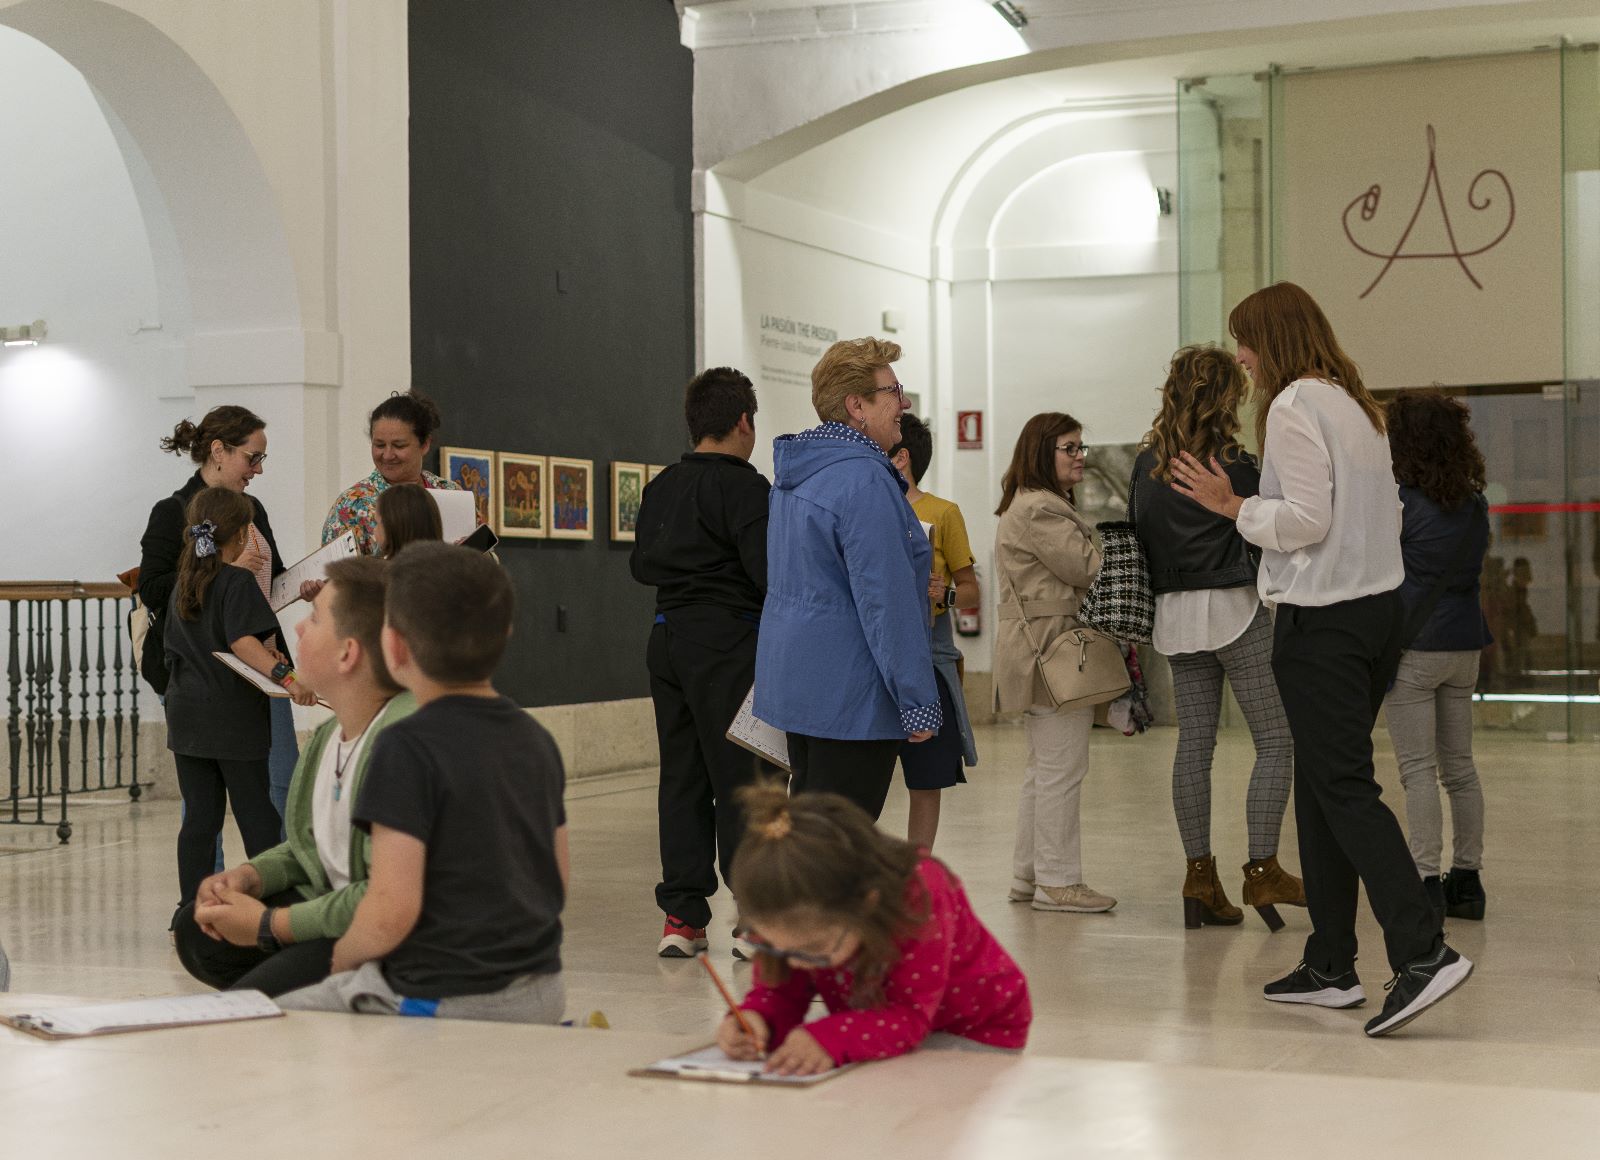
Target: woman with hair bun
x=401, y=429
x=228, y=448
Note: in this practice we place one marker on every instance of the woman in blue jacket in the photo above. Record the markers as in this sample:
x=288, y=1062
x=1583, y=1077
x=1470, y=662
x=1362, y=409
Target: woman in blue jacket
x=1444, y=533
x=844, y=664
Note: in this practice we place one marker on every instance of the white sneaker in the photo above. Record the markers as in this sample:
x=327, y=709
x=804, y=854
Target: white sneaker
x=1021, y=891
x=1077, y=898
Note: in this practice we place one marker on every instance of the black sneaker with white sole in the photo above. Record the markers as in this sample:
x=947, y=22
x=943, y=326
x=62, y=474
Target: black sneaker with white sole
x=1419, y=985
x=1306, y=985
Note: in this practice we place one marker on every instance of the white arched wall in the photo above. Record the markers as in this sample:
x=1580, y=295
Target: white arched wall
x=265, y=147
x=942, y=217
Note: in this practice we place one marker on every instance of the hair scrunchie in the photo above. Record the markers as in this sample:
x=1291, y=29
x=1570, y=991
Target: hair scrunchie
x=778, y=827
x=204, y=535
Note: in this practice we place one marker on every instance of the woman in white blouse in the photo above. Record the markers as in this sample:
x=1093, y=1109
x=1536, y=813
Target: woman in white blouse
x=1328, y=522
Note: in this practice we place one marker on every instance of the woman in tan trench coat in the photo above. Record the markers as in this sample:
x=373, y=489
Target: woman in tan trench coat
x=1045, y=560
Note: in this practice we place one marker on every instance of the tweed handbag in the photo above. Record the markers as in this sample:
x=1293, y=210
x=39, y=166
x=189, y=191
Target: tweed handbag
x=1120, y=603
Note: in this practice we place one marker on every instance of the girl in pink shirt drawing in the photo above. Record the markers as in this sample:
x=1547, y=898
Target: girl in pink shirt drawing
x=884, y=934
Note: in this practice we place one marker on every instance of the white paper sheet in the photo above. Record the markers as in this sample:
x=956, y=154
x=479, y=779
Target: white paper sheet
x=458, y=512
x=712, y=1064
x=286, y=584
x=757, y=736
x=145, y=1014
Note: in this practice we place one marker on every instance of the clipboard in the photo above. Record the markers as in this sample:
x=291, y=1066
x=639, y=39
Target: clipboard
x=750, y=732
x=286, y=584
x=260, y=680
x=77, y=1022
x=709, y=1065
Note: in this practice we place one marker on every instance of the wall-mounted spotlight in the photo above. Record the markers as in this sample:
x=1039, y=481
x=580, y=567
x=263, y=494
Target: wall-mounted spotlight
x=28, y=334
x=1164, y=201
x=1012, y=15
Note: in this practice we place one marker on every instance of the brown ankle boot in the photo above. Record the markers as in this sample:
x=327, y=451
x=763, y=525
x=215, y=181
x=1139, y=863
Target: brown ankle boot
x=1266, y=883
x=1204, y=902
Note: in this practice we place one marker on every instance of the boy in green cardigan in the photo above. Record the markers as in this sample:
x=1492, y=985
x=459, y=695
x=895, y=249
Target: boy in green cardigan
x=270, y=924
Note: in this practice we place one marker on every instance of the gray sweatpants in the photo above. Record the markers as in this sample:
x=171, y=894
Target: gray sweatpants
x=1429, y=711
x=364, y=991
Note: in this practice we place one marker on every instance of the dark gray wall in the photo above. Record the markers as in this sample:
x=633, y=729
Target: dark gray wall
x=552, y=284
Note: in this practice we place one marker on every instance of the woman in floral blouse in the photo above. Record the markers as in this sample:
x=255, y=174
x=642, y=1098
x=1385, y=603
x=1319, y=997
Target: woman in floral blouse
x=401, y=428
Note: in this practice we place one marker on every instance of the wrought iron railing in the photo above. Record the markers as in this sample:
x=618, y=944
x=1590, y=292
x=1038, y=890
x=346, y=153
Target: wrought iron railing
x=72, y=699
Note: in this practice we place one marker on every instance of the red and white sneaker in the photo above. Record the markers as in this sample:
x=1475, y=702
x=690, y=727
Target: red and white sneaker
x=679, y=940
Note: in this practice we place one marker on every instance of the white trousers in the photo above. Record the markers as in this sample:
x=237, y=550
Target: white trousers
x=1049, y=849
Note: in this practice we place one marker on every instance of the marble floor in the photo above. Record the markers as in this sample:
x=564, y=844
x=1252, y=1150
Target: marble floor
x=89, y=919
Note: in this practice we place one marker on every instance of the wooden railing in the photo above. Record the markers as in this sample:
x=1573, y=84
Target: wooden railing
x=72, y=698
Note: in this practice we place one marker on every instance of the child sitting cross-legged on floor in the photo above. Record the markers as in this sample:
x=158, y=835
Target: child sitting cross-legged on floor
x=462, y=914
x=883, y=934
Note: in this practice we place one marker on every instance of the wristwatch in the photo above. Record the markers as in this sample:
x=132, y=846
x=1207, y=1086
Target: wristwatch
x=282, y=674
x=267, y=942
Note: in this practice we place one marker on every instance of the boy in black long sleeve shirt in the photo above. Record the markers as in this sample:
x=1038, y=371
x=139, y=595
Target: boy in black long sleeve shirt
x=702, y=544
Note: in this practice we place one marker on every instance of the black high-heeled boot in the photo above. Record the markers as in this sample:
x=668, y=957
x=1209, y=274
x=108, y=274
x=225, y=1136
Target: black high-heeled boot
x=1463, y=894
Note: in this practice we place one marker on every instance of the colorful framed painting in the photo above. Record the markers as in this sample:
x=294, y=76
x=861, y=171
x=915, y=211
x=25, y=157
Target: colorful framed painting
x=654, y=470
x=473, y=471
x=627, y=489
x=571, y=484
x=524, y=496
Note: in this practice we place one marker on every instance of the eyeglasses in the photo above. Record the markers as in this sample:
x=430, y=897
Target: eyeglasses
x=1074, y=449
x=257, y=459
x=899, y=390
x=804, y=958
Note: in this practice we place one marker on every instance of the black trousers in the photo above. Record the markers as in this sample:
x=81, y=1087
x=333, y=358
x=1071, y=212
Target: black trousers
x=227, y=967
x=1333, y=665
x=700, y=673
x=858, y=770
x=209, y=786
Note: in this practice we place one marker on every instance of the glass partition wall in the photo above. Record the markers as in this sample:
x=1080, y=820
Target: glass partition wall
x=1541, y=440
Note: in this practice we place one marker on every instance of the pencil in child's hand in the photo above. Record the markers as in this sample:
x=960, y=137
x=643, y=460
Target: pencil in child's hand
x=727, y=997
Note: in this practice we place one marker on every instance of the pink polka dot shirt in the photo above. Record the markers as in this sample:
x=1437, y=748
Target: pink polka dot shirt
x=952, y=976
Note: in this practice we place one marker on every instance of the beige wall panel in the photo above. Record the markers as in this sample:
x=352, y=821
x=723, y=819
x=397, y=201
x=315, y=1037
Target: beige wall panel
x=1361, y=187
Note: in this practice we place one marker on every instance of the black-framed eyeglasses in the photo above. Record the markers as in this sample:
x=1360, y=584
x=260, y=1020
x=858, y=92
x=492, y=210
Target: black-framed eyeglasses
x=257, y=459
x=1074, y=449
x=805, y=958
x=899, y=390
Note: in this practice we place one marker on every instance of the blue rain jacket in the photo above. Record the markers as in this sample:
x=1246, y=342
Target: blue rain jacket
x=844, y=650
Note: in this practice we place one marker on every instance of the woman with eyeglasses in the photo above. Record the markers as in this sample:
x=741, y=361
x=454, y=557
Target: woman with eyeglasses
x=1045, y=558
x=401, y=429
x=844, y=659
x=228, y=448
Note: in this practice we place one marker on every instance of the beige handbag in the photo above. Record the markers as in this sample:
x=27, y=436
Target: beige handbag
x=1080, y=667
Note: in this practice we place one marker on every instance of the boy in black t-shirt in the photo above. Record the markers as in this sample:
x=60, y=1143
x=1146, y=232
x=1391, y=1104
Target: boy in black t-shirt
x=462, y=916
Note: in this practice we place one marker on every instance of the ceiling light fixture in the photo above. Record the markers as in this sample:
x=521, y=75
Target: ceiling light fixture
x=1010, y=13
x=28, y=334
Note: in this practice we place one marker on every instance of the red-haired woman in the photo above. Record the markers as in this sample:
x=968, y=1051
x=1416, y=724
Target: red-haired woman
x=1328, y=523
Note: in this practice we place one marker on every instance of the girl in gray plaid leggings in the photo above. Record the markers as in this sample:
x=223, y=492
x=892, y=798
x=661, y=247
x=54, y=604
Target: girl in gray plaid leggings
x=1211, y=624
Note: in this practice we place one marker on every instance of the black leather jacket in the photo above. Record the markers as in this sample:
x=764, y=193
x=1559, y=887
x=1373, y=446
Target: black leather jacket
x=1187, y=546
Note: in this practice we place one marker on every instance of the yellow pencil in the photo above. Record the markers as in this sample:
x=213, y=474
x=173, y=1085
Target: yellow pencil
x=727, y=997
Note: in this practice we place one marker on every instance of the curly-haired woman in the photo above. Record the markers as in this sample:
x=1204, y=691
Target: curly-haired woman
x=1211, y=624
x=1444, y=533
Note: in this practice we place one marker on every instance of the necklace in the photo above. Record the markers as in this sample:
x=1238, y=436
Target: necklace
x=342, y=756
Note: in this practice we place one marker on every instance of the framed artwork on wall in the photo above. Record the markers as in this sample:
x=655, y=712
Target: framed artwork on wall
x=571, y=486
x=524, y=500
x=654, y=470
x=627, y=489
x=473, y=471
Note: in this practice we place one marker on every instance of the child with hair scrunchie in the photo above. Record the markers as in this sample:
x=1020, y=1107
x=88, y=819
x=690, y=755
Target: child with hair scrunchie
x=218, y=724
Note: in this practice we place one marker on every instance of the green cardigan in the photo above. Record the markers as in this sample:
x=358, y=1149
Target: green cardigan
x=295, y=864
